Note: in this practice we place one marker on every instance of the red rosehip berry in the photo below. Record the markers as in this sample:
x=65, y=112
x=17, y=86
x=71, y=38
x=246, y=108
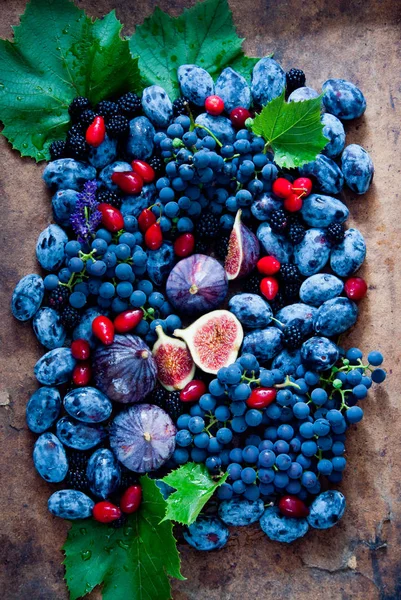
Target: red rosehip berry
x=103, y=329
x=106, y=512
x=193, y=391
x=214, y=105
x=291, y=506
x=154, y=237
x=146, y=219
x=96, y=132
x=355, y=288
x=269, y=287
x=184, y=245
x=302, y=186
x=131, y=499
x=143, y=169
x=80, y=349
x=261, y=397
x=268, y=265
x=293, y=203
x=128, y=320
x=129, y=182
x=112, y=218
x=238, y=116
x=82, y=373
x=282, y=187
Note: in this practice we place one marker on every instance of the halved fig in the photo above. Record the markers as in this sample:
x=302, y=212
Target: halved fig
x=243, y=250
x=175, y=367
x=213, y=340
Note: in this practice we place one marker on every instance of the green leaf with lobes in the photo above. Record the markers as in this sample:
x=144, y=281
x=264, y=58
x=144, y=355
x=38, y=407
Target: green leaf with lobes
x=292, y=129
x=203, y=35
x=194, y=487
x=58, y=53
x=132, y=562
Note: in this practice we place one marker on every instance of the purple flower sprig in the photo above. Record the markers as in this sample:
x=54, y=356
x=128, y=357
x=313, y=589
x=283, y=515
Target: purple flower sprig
x=86, y=217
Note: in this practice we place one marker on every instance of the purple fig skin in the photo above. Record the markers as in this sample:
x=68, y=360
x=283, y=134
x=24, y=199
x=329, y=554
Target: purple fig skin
x=250, y=250
x=125, y=371
x=143, y=437
x=197, y=284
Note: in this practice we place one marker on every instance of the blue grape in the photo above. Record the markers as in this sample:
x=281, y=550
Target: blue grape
x=183, y=437
x=196, y=424
x=378, y=375
x=375, y=358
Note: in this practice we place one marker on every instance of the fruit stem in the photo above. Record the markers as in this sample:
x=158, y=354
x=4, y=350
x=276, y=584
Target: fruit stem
x=287, y=383
x=277, y=321
x=210, y=133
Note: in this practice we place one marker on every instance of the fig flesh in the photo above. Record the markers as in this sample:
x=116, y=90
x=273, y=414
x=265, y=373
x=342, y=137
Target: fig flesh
x=243, y=250
x=175, y=367
x=213, y=340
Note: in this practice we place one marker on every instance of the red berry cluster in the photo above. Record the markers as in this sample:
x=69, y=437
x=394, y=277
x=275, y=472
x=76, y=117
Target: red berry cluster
x=292, y=193
x=104, y=328
x=107, y=512
x=214, y=105
x=82, y=373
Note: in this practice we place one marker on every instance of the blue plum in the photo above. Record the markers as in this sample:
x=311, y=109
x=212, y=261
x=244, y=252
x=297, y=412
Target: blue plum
x=347, y=257
x=320, y=287
x=319, y=354
x=233, y=89
x=160, y=262
x=334, y=130
x=70, y=504
x=55, y=367
x=263, y=206
x=134, y=205
x=268, y=81
x=220, y=126
x=280, y=528
x=103, y=473
x=251, y=310
x=27, y=297
x=274, y=244
x=263, y=343
x=103, y=155
x=327, y=174
x=239, y=511
x=67, y=174
x=50, y=247
x=321, y=211
x=88, y=404
x=357, y=167
x=326, y=510
x=63, y=203
x=207, y=533
x=302, y=93
x=49, y=458
x=287, y=361
x=312, y=254
x=343, y=99
x=335, y=316
x=157, y=106
x=298, y=314
x=79, y=436
x=43, y=409
x=84, y=329
x=48, y=328
x=196, y=84
x=140, y=139
x=106, y=173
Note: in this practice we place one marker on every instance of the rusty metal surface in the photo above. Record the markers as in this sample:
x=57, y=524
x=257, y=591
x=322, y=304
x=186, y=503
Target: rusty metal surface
x=359, y=40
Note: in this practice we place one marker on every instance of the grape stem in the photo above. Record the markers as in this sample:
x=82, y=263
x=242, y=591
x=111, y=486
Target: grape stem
x=197, y=125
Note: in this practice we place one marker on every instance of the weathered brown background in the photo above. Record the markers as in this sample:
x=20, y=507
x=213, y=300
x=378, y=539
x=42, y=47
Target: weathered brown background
x=359, y=40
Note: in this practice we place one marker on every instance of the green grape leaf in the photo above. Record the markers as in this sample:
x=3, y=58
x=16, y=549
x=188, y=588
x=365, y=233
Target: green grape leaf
x=132, y=562
x=58, y=53
x=194, y=487
x=292, y=129
x=203, y=35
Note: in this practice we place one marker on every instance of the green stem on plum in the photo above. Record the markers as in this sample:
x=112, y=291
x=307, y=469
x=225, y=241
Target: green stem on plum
x=277, y=321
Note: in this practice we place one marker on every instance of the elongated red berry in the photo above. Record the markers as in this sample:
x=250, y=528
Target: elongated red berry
x=82, y=373
x=184, y=245
x=131, y=499
x=143, y=169
x=128, y=320
x=291, y=506
x=214, y=105
x=146, y=219
x=355, y=288
x=103, y=329
x=282, y=187
x=80, y=349
x=193, y=391
x=269, y=287
x=268, y=265
x=302, y=186
x=96, y=132
x=238, y=116
x=293, y=203
x=112, y=218
x=106, y=512
x=154, y=237
x=261, y=397
x=128, y=181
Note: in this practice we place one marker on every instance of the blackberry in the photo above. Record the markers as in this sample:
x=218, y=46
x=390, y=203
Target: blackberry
x=278, y=303
x=118, y=126
x=207, y=226
x=157, y=164
x=70, y=317
x=76, y=129
x=296, y=231
x=221, y=247
x=293, y=337
x=130, y=105
x=180, y=107
x=128, y=478
x=201, y=247
x=119, y=522
x=289, y=273
x=291, y=290
x=77, y=107
x=107, y=108
x=57, y=149
x=109, y=197
x=76, y=147
x=295, y=79
x=87, y=117
x=278, y=221
x=76, y=476
x=174, y=406
x=158, y=397
x=58, y=298
x=251, y=284
x=335, y=233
